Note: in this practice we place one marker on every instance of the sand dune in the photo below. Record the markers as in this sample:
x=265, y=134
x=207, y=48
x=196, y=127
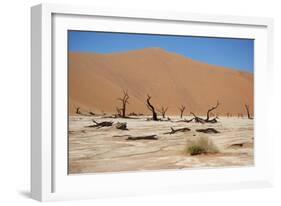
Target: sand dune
x=97, y=80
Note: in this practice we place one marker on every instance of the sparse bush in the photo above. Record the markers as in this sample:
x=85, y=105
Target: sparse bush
x=196, y=150
x=203, y=145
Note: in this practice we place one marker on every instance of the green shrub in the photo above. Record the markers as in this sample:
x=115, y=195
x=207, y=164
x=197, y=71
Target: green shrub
x=203, y=145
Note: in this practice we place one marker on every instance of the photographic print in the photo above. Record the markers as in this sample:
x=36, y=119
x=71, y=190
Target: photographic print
x=148, y=102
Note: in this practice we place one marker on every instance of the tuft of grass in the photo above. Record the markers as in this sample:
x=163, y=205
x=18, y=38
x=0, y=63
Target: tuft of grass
x=203, y=145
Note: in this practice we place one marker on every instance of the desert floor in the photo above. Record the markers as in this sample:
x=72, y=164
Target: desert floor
x=107, y=149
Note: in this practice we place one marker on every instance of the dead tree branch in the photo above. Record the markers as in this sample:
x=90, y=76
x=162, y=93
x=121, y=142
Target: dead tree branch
x=198, y=119
x=214, y=120
x=101, y=124
x=208, y=130
x=173, y=131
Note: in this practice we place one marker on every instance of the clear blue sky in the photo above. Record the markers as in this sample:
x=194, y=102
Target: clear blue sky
x=233, y=53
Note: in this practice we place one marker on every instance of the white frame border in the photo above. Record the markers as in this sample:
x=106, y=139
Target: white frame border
x=42, y=85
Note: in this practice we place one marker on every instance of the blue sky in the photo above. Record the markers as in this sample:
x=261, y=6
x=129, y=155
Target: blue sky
x=233, y=53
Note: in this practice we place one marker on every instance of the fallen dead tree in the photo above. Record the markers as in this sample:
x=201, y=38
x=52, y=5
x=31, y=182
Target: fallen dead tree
x=147, y=137
x=165, y=120
x=198, y=119
x=208, y=130
x=123, y=135
x=241, y=145
x=173, y=131
x=185, y=120
x=207, y=120
x=101, y=124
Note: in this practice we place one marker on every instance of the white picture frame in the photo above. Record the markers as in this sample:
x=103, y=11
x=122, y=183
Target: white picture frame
x=49, y=178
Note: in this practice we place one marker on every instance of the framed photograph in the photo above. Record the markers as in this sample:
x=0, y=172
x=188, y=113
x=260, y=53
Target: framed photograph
x=136, y=102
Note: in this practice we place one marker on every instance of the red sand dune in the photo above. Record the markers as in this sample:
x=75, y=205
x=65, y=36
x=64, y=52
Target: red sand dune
x=97, y=80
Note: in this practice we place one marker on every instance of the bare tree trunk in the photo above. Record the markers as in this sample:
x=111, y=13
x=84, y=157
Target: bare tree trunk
x=151, y=108
x=124, y=110
x=248, y=111
x=78, y=110
x=182, y=108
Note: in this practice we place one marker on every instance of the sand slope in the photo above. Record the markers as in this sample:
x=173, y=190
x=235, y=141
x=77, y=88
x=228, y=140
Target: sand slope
x=97, y=80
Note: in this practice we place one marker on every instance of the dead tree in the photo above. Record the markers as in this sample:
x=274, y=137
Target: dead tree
x=248, y=111
x=163, y=111
x=182, y=108
x=124, y=101
x=211, y=109
x=151, y=108
x=78, y=110
x=207, y=120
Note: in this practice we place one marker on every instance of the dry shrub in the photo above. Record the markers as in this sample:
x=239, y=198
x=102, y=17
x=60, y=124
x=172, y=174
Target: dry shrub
x=202, y=145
